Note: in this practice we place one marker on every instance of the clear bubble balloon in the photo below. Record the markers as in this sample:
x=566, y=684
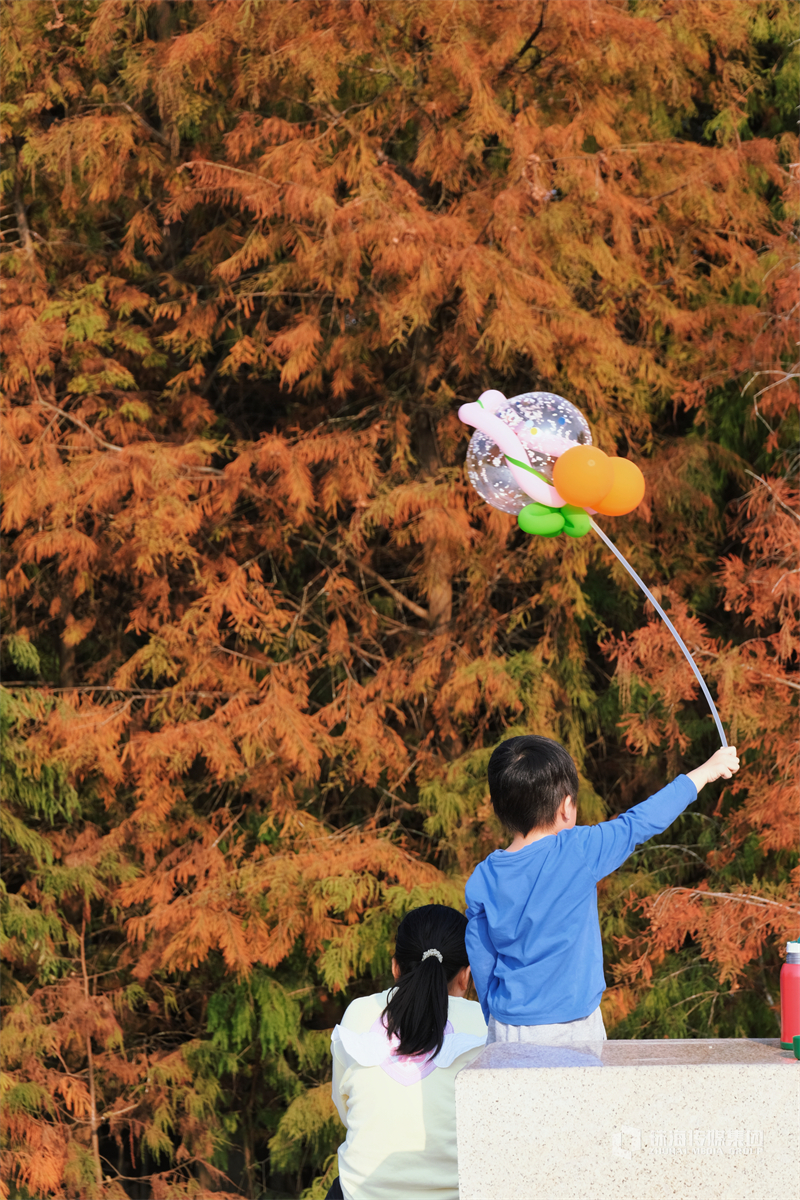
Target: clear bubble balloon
x=546, y=426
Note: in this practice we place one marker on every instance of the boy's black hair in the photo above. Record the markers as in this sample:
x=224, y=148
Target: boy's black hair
x=418, y=1005
x=529, y=776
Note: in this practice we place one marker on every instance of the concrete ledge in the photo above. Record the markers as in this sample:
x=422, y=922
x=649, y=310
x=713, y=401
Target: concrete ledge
x=704, y=1119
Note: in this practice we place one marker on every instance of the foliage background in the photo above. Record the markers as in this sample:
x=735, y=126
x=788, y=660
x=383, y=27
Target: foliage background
x=259, y=638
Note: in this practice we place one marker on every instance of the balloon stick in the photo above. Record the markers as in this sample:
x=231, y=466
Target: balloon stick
x=669, y=626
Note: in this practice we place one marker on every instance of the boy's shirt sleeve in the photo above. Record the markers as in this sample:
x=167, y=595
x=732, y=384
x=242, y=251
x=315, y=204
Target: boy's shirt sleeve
x=606, y=846
x=480, y=950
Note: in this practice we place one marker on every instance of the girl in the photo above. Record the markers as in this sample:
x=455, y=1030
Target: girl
x=395, y=1059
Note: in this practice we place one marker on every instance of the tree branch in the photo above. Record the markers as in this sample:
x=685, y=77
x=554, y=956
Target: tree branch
x=771, y=490
x=141, y=121
x=416, y=609
x=698, y=894
x=75, y=420
x=513, y=61
x=222, y=166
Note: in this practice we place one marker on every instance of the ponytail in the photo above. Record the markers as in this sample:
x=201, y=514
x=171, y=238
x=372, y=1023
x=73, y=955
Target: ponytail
x=430, y=951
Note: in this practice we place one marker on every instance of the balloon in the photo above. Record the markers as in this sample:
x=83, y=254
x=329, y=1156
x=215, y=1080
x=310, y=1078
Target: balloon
x=533, y=456
x=539, y=519
x=539, y=426
x=626, y=491
x=583, y=475
x=577, y=521
x=489, y=474
x=548, y=522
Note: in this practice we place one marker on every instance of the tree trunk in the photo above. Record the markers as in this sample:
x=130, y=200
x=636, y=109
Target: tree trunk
x=66, y=654
x=19, y=204
x=93, y=1118
x=438, y=571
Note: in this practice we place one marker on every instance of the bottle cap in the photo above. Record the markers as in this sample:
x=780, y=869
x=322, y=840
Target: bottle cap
x=793, y=947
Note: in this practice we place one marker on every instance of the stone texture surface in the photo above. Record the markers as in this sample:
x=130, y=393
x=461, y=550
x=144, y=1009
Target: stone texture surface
x=715, y=1119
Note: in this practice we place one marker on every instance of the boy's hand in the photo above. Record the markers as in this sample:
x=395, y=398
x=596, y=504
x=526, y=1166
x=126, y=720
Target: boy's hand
x=722, y=764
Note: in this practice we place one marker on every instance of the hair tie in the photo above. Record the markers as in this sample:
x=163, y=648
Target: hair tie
x=428, y=953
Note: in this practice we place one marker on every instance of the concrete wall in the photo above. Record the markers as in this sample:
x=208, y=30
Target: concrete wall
x=659, y=1120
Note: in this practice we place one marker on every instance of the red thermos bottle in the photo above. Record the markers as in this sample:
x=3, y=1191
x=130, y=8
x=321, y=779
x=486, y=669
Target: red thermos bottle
x=790, y=996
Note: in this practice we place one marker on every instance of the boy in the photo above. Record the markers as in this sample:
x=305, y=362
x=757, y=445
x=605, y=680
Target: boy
x=533, y=937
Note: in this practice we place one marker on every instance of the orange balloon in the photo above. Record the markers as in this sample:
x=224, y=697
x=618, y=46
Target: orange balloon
x=583, y=475
x=626, y=490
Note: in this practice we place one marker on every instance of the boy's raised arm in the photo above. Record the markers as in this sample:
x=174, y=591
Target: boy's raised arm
x=607, y=845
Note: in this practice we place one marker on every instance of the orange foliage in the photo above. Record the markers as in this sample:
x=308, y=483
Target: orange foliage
x=259, y=637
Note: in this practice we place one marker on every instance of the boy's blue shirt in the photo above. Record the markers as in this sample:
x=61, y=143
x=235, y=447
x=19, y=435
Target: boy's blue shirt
x=533, y=937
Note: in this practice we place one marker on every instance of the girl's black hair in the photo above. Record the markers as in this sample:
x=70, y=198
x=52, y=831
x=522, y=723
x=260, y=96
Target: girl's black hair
x=417, y=1008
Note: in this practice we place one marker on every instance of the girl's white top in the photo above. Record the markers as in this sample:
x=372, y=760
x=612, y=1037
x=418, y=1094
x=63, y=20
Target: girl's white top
x=400, y=1112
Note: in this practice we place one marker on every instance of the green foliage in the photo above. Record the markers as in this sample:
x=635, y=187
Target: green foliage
x=309, y=1127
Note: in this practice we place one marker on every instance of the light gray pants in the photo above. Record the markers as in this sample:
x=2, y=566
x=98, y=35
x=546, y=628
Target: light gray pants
x=588, y=1029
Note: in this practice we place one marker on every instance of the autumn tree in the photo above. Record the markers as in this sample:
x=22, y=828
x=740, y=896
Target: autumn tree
x=259, y=636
